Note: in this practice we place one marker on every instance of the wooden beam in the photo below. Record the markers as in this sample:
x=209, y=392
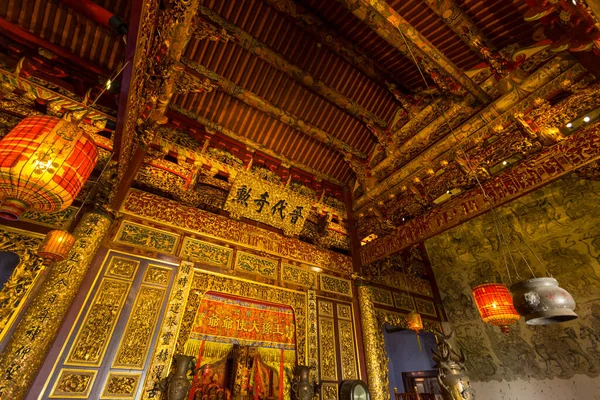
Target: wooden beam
x=191, y=118
x=273, y=111
x=392, y=27
x=336, y=42
x=265, y=53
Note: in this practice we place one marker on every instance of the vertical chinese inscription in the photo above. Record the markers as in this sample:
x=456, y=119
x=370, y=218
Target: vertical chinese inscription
x=313, y=339
x=140, y=328
x=99, y=322
x=327, y=349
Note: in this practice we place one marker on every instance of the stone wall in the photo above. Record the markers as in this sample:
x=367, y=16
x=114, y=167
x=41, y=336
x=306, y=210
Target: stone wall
x=561, y=223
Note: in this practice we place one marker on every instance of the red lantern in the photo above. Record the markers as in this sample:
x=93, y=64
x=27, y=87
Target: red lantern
x=495, y=305
x=56, y=246
x=44, y=162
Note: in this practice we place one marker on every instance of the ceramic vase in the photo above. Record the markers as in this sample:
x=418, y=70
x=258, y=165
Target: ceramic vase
x=302, y=388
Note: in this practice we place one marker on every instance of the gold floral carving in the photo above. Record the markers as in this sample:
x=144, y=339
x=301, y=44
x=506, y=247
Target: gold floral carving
x=404, y=300
x=157, y=275
x=327, y=353
x=23, y=355
x=344, y=311
x=16, y=289
x=272, y=204
x=326, y=308
x=58, y=220
x=426, y=307
x=172, y=320
x=121, y=385
x=313, y=337
x=206, y=253
x=173, y=214
x=382, y=296
x=140, y=328
x=148, y=238
x=329, y=391
x=122, y=268
x=91, y=342
x=347, y=350
x=336, y=285
x=73, y=384
x=298, y=275
x=253, y=264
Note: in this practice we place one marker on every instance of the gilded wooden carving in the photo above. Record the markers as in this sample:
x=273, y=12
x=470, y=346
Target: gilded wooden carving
x=92, y=339
x=312, y=338
x=73, y=384
x=140, y=328
x=121, y=385
x=122, y=268
x=382, y=296
x=57, y=220
x=206, y=253
x=329, y=391
x=336, y=285
x=253, y=264
x=298, y=275
x=157, y=275
x=425, y=307
x=404, y=300
x=327, y=349
x=344, y=311
x=148, y=238
x=325, y=308
x=347, y=350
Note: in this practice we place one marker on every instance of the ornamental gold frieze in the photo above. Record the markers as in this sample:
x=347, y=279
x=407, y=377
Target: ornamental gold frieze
x=274, y=205
x=567, y=155
x=15, y=290
x=327, y=349
x=147, y=238
x=170, y=213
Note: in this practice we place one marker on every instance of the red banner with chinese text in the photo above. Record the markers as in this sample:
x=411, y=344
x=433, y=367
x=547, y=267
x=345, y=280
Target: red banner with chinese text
x=232, y=320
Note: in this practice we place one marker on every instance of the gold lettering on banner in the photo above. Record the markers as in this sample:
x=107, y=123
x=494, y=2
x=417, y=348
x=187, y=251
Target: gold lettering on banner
x=172, y=321
x=259, y=200
x=121, y=385
x=140, y=328
x=97, y=327
x=327, y=349
x=347, y=350
x=157, y=275
x=329, y=391
x=122, y=268
x=73, y=384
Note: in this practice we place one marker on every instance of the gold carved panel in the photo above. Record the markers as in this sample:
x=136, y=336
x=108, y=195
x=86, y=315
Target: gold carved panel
x=329, y=391
x=205, y=252
x=97, y=327
x=256, y=265
x=382, y=296
x=336, y=285
x=121, y=385
x=140, y=328
x=325, y=308
x=426, y=307
x=344, y=311
x=347, y=350
x=327, y=346
x=147, y=238
x=57, y=220
x=73, y=384
x=122, y=268
x=298, y=275
x=157, y=275
x=404, y=300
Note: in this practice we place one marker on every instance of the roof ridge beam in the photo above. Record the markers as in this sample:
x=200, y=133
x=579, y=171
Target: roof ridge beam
x=265, y=53
x=253, y=100
x=393, y=28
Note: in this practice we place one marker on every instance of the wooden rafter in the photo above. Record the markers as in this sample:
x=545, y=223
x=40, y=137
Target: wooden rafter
x=278, y=61
x=392, y=27
x=273, y=111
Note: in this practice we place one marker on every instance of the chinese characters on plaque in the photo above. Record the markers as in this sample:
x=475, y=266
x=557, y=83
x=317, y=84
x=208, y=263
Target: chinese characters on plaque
x=259, y=200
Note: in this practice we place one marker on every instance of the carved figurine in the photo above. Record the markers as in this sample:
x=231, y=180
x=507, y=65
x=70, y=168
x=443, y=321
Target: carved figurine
x=451, y=365
x=177, y=385
x=302, y=388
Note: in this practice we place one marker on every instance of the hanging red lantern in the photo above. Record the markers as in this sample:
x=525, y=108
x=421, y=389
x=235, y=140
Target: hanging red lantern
x=44, y=162
x=56, y=246
x=495, y=305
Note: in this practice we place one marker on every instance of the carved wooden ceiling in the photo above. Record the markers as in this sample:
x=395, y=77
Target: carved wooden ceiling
x=344, y=90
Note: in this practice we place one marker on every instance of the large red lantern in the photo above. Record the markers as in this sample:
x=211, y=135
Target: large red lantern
x=44, y=162
x=495, y=305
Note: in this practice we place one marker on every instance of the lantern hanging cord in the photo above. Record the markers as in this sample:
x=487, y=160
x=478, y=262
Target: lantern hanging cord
x=472, y=170
x=406, y=283
x=94, y=188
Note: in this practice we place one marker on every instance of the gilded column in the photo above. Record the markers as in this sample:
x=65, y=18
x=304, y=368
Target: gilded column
x=376, y=357
x=23, y=356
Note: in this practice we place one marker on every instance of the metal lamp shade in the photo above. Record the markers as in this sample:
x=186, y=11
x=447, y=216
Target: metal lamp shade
x=542, y=302
x=495, y=305
x=56, y=246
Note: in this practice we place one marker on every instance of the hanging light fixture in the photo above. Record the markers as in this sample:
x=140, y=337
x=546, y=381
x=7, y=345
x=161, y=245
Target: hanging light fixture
x=542, y=302
x=44, y=162
x=415, y=322
x=495, y=305
x=56, y=246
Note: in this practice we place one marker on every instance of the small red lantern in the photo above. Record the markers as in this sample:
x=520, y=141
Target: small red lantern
x=495, y=305
x=56, y=246
x=415, y=323
x=44, y=162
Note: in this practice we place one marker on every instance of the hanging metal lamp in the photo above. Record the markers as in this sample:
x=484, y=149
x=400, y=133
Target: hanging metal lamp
x=542, y=302
x=495, y=305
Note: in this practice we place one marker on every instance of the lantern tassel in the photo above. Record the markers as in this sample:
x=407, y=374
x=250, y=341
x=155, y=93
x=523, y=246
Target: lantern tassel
x=419, y=343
